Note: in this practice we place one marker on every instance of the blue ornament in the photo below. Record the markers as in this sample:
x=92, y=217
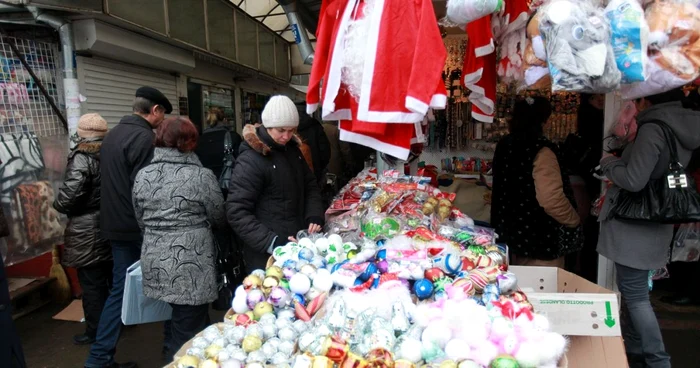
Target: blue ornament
x=375, y=283
x=337, y=266
x=492, y=289
x=368, y=272
x=300, y=298
x=440, y=294
x=290, y=263
x=306, y=254
x=479, y=301
x=319, y=262
x=423, y=289
x=381, y=242
x=487, y=298
x=381, y=254
x=358, y=282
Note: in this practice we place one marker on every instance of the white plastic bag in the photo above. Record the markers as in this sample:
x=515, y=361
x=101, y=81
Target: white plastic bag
x=137, y=308
x=686, y=243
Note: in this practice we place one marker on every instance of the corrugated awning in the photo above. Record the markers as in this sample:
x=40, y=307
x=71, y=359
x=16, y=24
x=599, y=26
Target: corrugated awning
x=271, y=14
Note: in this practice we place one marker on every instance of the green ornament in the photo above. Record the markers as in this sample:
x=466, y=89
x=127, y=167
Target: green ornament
x=284, y=283
x=504, y=361
x=476, y=249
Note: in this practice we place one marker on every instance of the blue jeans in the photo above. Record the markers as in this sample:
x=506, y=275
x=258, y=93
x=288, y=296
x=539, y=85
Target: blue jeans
x=641, y=333
x=125, y=253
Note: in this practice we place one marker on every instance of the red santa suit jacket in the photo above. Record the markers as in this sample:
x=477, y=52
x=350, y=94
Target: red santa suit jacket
x=402, y=70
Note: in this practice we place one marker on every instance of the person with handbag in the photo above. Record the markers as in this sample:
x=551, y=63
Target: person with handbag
x=273, y=193
x=533, y=207
x=177, y=204
x=218, y=145
x=633, y=233
x=79, y=199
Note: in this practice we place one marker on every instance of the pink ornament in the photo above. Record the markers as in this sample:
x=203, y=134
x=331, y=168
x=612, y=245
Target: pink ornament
x=278, y=297
x=254, y=297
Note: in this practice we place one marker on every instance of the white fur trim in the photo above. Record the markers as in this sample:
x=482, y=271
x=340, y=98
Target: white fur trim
x=416, y=105
x=438, y=101
x=485, y=50
x=473, y=77
x=519, y=22
x=390, y=149
x=482, y=118
x=311, y=108
x=332, y=85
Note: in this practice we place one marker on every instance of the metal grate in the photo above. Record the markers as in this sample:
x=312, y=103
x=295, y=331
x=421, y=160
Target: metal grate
x=23, y=108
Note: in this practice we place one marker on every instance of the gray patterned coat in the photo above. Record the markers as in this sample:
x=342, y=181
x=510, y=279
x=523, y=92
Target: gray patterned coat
x=177, y=202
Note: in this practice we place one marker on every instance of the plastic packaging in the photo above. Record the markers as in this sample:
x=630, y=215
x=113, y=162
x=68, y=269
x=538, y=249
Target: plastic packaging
x=625, y=128
x=674, y=48
x=686, y=243
x=630, y=34
x=580, y=57
x=462, y=12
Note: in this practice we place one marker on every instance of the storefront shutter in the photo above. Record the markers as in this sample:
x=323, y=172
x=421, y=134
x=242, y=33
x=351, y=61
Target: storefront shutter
x=109, y=86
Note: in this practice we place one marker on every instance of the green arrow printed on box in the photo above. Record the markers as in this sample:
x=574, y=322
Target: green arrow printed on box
x=609, y=320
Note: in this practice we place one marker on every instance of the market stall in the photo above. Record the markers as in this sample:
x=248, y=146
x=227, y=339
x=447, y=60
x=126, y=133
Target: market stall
x=401, y=277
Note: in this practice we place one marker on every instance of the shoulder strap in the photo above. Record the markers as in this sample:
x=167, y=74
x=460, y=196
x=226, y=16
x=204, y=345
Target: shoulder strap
x=670, y=138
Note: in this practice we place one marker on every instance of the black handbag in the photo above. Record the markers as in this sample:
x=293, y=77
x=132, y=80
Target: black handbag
x=673, y=199
x=229, y=162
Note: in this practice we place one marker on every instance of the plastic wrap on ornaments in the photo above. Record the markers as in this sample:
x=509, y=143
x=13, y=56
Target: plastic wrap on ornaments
x=630, y=34
x=462, y=12
x=674, y=49
x=535, y=71
x=579, y=52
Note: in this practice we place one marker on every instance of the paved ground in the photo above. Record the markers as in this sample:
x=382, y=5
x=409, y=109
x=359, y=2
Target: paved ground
x=47, y=343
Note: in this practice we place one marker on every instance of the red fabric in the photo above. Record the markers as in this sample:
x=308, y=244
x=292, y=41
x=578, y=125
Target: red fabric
x=402, y=81
x=516, y=12
x=479, y=70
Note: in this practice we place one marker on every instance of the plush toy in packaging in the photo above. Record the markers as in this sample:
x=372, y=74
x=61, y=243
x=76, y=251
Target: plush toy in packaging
x=630, y=34
x=674, y=48
x=579, y=52
x=462, y=12
x=536, y=74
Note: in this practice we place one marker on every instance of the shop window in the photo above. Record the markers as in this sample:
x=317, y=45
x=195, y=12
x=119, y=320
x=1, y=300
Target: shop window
x=149, y=13
x=282, y=56
x=72, y=4
x=214, y=97
x=267, y=50
x=186, y=21
x=253, y=105
x=246, y=31
x=222, y=36
x=33, y=149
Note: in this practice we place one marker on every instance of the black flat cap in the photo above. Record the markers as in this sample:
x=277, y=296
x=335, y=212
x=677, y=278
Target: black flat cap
x=155, y=96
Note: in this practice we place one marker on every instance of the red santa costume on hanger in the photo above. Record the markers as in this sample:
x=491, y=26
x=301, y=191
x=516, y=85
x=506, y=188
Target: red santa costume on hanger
x=479, y=71
x=379, y=95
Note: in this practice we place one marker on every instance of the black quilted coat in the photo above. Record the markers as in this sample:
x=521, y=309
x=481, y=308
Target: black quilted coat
x=79, y=198
x=273, y=195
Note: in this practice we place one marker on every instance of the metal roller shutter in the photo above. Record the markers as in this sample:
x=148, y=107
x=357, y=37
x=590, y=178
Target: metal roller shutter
x=110, y=86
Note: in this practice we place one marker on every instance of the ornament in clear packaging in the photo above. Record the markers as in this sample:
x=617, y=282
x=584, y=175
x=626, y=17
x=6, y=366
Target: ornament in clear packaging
x=256, y=357
x=287, y=334
x=255, y=330
x=279, y=358
x=399, y=319
x=196, y=352
x=268, y=350
x=269, y=330
x=251, y=343
x=286, y=347
x=234, y=335
x=337, y=315
x=188, y=361
x=201, y=342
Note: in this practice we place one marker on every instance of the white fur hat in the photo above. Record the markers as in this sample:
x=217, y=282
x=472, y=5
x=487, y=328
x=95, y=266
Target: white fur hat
x=280, y=112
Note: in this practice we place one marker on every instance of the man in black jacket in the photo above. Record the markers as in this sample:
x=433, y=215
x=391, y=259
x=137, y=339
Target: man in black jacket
x=312, y=133
x=125, y=150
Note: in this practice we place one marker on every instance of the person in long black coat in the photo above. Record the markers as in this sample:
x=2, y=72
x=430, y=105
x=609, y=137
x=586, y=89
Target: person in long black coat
x=273, y=193
x=210, y=148
x=311, y=132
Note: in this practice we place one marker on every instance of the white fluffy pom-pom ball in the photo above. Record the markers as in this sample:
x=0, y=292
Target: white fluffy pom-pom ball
x=541, y=323
x=323, y=280
x=410, y=349
x=500, y=328
x=438, y=333
x=528, y=355
x=299, y=284
x=239, y=304
x=553, y=347
x=457, y=350
x=421, y=317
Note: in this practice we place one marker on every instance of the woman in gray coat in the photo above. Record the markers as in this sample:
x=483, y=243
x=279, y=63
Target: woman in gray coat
x=638, y=247
x=177, y=203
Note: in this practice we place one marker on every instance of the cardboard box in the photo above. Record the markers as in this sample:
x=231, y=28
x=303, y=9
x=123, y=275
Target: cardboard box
x=585, y=312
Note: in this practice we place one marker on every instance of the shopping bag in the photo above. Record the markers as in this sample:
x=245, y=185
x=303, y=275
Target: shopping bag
x=137, y=308
x=686, y=243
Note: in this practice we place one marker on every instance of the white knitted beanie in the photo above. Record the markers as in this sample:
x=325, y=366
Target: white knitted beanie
x=280, y=112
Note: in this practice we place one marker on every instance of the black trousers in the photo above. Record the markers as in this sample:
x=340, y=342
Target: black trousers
x=95, y=280
x=186, y=322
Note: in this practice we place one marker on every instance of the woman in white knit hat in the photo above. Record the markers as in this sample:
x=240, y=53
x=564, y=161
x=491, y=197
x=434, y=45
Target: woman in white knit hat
x=79, y=198
x=273, y=192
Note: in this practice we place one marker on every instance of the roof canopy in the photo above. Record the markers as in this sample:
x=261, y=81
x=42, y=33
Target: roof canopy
x=271, y=14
